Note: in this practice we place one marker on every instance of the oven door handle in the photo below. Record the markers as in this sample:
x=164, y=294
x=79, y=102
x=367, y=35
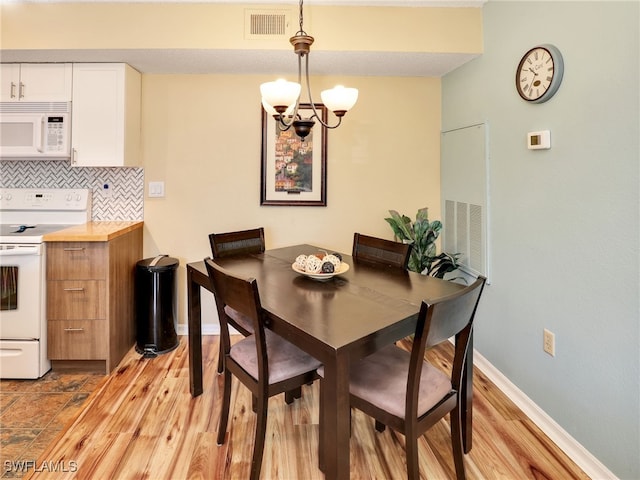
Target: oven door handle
x=11, y=251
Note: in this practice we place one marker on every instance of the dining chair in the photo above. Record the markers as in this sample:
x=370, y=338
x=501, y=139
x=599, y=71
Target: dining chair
x=380, y=251
x=228, y=244
x=241, y=242
x=264, y=362
x=403, y=391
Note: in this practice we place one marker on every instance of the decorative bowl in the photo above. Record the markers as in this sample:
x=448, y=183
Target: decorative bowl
x=344, y=267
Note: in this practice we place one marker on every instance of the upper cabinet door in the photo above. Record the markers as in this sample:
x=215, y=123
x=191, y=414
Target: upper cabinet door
x=9, y=82
x=36, y=82
x=105, y=126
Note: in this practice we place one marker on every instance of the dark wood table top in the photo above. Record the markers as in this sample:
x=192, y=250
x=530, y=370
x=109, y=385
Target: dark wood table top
x=345, y=311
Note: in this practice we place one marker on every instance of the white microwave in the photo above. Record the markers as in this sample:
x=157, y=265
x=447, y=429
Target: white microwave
x=35, y=130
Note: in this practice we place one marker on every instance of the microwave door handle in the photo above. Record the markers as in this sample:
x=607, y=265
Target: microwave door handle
x=40, y=135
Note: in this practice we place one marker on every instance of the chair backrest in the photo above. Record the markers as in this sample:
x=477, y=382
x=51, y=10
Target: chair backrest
x=237, y=243
x=380, y=251
x=242, y=295
x=437, y=322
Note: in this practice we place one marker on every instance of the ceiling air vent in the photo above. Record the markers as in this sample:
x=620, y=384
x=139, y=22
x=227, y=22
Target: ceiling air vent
x=261, y=24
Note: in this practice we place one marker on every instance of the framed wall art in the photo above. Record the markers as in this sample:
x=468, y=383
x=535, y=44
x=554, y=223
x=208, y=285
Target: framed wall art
x=294, y=171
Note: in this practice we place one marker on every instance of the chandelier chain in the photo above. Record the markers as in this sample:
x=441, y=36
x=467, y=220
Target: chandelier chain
x=301, y=20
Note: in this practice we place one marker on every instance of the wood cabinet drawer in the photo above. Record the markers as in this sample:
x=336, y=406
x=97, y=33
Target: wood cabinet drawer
x=77, y=339
x=77, y=261
x=76, y=299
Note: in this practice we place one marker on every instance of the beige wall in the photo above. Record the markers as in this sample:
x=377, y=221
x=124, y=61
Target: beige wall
x=202, y=137
x=221, y=26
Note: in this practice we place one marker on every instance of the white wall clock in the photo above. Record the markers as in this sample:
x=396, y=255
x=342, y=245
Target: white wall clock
x=539, y=73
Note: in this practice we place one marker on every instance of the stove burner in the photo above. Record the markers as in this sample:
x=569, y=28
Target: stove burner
x=22, y=228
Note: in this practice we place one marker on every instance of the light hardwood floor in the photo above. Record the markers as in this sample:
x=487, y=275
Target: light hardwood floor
x=143, y=423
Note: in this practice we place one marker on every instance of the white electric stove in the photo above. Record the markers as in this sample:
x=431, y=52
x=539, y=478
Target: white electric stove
x=26, y=215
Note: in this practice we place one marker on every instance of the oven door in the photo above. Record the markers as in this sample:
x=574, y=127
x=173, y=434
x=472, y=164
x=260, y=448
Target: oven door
x=22, y=299
x=23, y=328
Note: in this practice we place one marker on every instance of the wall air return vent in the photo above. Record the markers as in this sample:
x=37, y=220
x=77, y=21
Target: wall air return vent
x=464, y=178
x=262, y=24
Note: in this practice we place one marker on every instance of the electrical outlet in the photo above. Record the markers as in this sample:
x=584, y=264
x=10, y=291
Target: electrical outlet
x=549, y=342
x=107, y=190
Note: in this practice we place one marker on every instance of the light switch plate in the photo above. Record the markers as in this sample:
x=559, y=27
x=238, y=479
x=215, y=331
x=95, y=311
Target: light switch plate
x=156, y=189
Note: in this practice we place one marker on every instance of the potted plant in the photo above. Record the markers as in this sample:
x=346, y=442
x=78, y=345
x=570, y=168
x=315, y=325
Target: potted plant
x=422, y=235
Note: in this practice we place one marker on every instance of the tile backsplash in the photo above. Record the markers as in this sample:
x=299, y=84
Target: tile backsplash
x=124, y=202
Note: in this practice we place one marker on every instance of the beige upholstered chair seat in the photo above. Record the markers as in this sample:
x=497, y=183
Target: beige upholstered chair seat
x=285, y=359
x=381, y=379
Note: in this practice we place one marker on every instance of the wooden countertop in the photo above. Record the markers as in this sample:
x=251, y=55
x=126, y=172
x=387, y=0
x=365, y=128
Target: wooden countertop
x=93, y=231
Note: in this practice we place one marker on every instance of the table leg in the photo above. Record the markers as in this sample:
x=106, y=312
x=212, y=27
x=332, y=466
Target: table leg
x=336, y=418
x=466, y=398
x=194, y=313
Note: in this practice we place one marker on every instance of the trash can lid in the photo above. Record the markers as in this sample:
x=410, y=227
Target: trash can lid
x=158, y=263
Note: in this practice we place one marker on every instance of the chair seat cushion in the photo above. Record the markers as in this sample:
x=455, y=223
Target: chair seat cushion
x=242, y=320
x=285, y=359
x=381, y=379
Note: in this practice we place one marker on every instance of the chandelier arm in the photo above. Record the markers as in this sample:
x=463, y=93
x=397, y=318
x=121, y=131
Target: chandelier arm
x=313, y=107
x=283, y=123
x=283, y=127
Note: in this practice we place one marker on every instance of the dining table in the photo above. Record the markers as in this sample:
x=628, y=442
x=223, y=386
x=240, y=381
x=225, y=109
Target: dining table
x=337, y=320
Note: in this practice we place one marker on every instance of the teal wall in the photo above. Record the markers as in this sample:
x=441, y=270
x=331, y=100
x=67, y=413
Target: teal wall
x=564, y=225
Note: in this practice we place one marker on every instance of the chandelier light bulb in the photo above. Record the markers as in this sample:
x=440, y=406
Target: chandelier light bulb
x=281, y=94
x=339, y=99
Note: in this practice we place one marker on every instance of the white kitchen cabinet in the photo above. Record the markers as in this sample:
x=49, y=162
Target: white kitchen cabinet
x=105, y=126
x=35, y=82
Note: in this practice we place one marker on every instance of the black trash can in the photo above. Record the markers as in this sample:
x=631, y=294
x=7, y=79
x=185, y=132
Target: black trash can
x=156, y=308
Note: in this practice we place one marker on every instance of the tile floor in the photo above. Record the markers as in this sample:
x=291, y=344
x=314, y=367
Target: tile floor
x=33, y=412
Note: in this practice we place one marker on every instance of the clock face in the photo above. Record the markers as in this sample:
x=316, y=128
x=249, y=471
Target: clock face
x=539, y=74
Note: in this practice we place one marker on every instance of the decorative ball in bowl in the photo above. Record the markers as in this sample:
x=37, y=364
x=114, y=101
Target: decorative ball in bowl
x=320, y=266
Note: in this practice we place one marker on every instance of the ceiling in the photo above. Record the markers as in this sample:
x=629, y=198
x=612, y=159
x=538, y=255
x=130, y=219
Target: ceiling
x=244, y=62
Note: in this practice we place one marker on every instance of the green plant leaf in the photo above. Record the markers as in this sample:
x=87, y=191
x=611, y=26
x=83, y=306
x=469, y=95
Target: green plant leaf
x=423, y=235
x=401, y=225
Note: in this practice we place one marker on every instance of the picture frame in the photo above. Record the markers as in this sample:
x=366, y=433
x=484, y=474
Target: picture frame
x=294, y=172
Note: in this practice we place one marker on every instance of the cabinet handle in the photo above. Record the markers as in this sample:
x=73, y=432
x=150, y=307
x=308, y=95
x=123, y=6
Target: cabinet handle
x=21, y=90
x=74, y=289
x=13, y=90
x=69, y=329
x=74, y=156
x=73, y=249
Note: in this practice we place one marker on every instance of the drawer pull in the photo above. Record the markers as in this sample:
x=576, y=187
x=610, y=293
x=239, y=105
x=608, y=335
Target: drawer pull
x=69, y=329
x=73, y=249
x=74, y=289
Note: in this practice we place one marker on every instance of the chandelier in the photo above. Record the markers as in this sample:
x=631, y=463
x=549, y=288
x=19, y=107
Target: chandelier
x=282, y=98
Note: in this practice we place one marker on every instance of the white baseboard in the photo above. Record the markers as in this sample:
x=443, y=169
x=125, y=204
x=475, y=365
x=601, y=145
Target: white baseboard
x=207, y=329
x=580, y=455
